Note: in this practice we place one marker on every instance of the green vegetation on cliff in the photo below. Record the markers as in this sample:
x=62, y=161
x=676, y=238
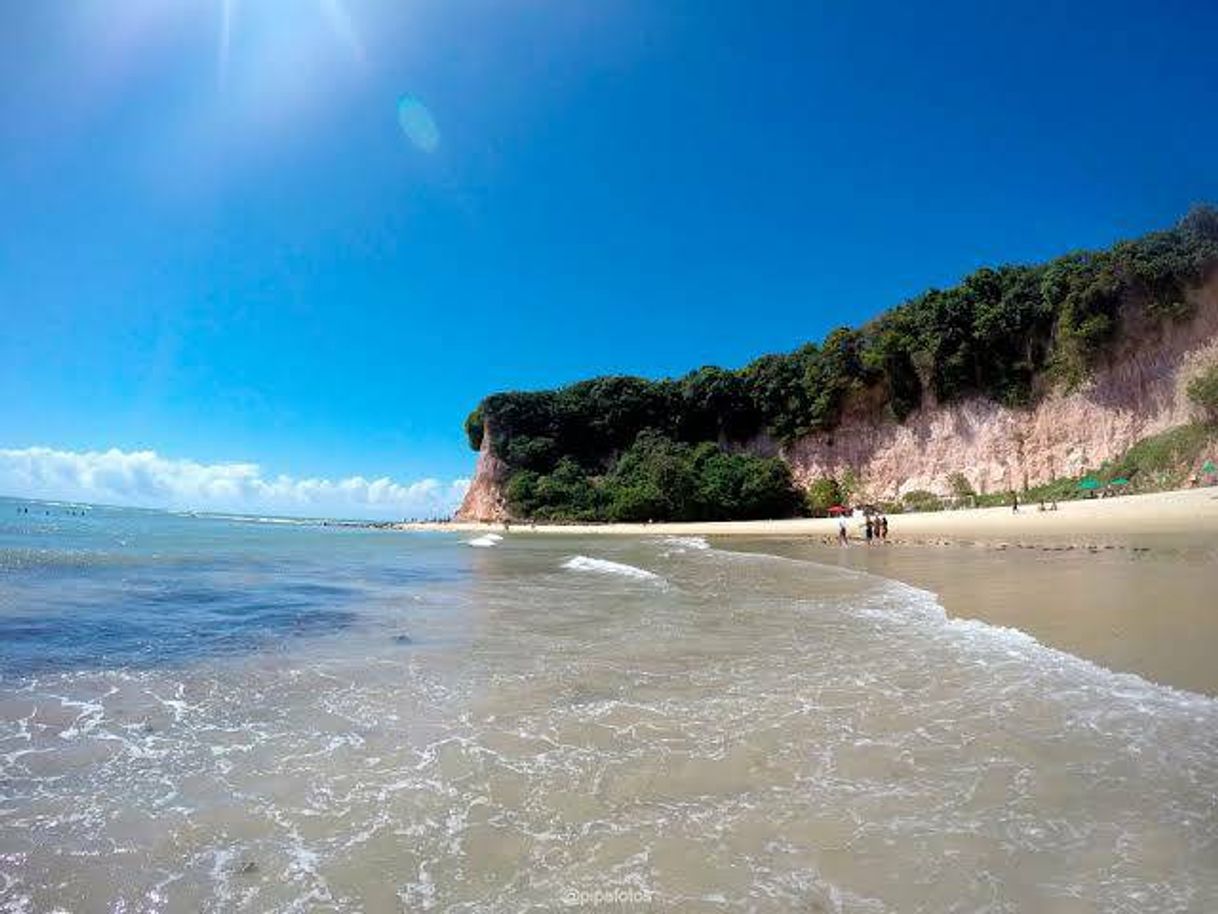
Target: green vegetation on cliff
x=1203, y=390
x=626, y=448
x=658, y=478
x=1167, y=460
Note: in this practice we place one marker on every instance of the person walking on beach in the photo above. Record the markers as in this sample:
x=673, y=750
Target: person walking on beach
x=843, y=538
x=867, y=530
x=884, y=528
x=1014, y=503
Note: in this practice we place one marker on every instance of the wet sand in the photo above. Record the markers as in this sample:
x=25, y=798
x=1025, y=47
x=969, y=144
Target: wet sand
x=1143, y=604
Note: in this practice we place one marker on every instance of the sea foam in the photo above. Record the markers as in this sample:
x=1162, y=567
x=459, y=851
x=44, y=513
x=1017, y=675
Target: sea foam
x=486, y=541
x=683, y=543
x=604, y=566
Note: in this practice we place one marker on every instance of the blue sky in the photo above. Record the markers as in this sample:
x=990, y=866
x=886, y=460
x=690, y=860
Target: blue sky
x=227, y=251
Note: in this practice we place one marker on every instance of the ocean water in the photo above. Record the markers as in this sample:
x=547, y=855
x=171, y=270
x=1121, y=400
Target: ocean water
x=219, y=714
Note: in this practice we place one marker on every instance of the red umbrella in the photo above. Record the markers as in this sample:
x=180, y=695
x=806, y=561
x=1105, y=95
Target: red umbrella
x=838, y=509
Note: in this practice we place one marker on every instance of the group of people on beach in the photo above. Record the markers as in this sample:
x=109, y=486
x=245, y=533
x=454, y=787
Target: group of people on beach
x=875, y=529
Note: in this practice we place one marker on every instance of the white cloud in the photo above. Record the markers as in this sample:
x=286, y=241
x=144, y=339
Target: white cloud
x=146, y=479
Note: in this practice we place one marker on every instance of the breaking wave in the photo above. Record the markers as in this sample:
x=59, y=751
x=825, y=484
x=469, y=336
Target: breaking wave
x=604, y=566
x=680, y=544
x=486, y=541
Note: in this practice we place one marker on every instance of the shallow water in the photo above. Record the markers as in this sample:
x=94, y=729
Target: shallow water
x=1142, y=604
x=527, y=724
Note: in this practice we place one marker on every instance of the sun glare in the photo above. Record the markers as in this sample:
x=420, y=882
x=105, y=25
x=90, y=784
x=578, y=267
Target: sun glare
x=226, y=30
x=333, y=12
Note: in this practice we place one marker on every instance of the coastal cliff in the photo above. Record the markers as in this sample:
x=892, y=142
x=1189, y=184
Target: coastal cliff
x=1016, y=376
x=485, y=499
x=1137, y=392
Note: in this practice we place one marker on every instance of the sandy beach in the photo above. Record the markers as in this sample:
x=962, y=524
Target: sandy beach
x=1182, y=511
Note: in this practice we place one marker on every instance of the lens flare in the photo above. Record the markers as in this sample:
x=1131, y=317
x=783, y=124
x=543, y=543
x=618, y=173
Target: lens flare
x=418, y=124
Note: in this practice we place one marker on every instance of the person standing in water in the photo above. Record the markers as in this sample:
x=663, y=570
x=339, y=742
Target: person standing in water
x=843, y=538
x=884, y=528
x=868, y=530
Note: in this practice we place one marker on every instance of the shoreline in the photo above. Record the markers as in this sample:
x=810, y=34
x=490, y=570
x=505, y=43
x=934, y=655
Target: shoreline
x=1140, y=604
x=1177, y=511
x=1123, y=582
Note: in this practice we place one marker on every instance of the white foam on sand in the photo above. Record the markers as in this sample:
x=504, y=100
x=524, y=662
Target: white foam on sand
x=682, y=543
x=604, y=566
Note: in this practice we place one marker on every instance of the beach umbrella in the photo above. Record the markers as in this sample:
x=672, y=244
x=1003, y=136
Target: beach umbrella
x=1090, y=483
x=1122, y=481
x=1209, y=467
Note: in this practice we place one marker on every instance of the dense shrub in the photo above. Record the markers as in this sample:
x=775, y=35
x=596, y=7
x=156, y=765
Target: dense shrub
x=960, y=486
x=658, y=478
x=822, y=495
x=920, y=500
x=475, y=428
x=1203, y=391
x=566, y=493
x=1163, y=460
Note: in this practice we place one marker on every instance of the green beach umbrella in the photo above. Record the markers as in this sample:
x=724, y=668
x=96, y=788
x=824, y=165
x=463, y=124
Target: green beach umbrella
x=1122, y=481
x=1089, y=483
x=1209, y=467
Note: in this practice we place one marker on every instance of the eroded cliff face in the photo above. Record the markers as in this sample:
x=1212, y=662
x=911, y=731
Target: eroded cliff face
x=1140, y=391
x=484, y=500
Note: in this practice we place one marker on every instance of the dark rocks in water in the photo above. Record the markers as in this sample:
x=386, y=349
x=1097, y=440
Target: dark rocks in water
x=245, y=867
x=403, y=639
